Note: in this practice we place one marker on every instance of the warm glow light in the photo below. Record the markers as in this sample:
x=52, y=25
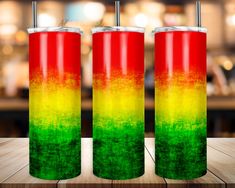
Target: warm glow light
x=141, y=20
x=94, y=11
x=10, y=12
x=146, y=14
x=46, y=20
x=225, y=62
x=228, y=65
x=231, y=20
x=7, y=29
x=85, y=11
x=21, y=37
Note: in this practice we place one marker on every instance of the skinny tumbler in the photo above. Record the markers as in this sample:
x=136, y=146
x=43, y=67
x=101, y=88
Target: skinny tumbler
x=54, y=102
x=180, y=102
x=118, y=102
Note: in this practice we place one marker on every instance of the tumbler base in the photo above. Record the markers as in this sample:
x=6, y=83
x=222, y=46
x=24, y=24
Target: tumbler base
x=181, y=177
x=118, y=178
x=54, y=178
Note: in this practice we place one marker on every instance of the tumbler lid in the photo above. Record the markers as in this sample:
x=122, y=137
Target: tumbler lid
x=55, y=29
x=179, y=28
x=117, y=28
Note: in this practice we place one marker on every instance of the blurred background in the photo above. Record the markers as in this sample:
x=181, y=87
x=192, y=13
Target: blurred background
x=15, y=17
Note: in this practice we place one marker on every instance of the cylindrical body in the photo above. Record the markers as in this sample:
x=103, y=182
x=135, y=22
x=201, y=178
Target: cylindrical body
x=55, y=104
x=118, y=102
x=180, y=102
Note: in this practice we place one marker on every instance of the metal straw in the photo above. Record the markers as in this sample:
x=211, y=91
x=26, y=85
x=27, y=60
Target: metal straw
x=198, y=14
x=35, y=16
x=117, y=13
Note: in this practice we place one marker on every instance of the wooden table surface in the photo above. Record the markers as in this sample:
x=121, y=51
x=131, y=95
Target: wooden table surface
x=14, y=168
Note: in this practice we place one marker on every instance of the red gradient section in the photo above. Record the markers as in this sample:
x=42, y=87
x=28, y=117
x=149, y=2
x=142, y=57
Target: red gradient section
x=180, y=52
x=55, y=56
x=116, y=53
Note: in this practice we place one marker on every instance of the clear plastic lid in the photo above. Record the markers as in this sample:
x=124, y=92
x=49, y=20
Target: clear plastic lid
x=117, y=28
x=55, y=29
x=179, y=28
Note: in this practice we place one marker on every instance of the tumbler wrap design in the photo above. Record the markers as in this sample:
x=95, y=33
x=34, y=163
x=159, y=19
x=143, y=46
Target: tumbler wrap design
x=55, y=105
x=180, y=104
x=118, y=104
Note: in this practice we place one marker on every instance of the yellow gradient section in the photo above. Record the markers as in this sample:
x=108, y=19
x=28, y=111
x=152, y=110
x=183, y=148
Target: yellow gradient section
x=176, y=102
x=119, y=98
x=50, y=104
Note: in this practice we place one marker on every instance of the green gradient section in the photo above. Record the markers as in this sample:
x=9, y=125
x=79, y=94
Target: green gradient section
x=118, y=147
x=180, y=126
x=55, y=129
x=180, y=147
x=55, y=147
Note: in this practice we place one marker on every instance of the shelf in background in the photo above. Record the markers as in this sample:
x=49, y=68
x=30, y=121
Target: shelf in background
x=213, y=103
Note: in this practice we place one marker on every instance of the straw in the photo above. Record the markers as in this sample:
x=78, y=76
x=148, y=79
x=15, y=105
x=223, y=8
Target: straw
x=198, y=14
x=35, y=17
x=117, y=13
x=63, y=22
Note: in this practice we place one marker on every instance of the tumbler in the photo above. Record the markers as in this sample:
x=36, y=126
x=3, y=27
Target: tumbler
x=180, y=102
x=54, y=102
x=118, y=102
